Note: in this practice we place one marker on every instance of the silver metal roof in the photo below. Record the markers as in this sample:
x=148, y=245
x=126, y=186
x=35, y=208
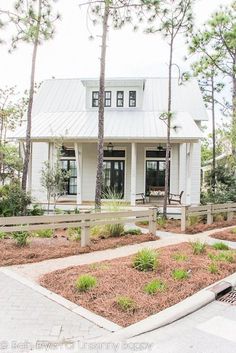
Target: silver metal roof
x=59, y=110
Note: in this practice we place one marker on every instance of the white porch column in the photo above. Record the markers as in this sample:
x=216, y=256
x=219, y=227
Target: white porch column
x=133, y=173
x=189, y=162
x=183, y=170
x=78, y=156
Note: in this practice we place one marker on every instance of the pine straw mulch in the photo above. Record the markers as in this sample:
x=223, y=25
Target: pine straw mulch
x=225, y=235
x=118, y=278
x=173, y=225
x=39, y=249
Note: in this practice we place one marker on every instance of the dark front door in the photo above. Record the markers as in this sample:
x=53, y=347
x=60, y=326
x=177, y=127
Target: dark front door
x=113, y=178
x=155, y=174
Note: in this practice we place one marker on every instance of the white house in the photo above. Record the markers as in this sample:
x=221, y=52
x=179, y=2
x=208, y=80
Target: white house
x=65, y=110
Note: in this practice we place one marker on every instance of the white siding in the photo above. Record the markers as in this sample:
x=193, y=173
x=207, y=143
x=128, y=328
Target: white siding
x=196, y=174
x=40, y=153
x=174, y=169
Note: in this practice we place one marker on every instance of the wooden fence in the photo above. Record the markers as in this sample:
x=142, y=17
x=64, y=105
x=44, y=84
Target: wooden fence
x=83, y=220
x=208, y=210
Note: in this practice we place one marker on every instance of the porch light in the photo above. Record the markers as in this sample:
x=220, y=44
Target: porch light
x=110, y=147
x=160, y=148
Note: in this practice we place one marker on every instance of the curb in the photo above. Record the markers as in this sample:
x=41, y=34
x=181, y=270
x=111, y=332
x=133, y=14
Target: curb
x=175, y=312
x=74, y=308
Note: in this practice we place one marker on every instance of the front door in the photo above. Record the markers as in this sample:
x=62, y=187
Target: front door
x=155, y=174
x=113, y=178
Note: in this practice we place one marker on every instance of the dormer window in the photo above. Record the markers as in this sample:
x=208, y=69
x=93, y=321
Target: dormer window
x=120, y=98
x=95, y=99
x=107, y=102
x=132, y=99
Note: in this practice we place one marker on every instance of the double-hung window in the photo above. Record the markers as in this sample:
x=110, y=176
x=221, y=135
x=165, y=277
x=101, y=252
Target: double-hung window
x=120, y=98
x=95, y=99
x=107, y=102
x=132, y=98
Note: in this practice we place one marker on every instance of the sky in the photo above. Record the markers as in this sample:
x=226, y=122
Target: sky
x=71, y=53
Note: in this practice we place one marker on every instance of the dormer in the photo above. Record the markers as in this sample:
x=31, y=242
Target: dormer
x=120, y=94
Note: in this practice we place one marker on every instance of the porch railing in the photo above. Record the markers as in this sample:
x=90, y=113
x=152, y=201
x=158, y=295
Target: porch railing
x=208, y=210
x=84, y=220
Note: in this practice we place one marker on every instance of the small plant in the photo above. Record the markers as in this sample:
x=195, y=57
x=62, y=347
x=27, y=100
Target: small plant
x=213, y=268
x=85, y=283
x=126, y=303
x=161, y=221
x=155, y=286
x=198, y=247
x=223, y=256
x=2, y=235
x=219, y=217
x=145, y=260
x=179, y=274
x=20, y=237
x=220, y=246
x=99, y=231
x=98, y=266
x=180, y=257
x=233, y=230
x=133, y=231
x=74, y=234
x=43, y=233
x=143, y=223
x=115, y=230
x=193, y=220
x=36, y=210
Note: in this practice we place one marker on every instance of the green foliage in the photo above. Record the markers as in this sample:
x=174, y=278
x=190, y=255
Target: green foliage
x=145, y=260
x=233, y=230
x=155, y=286
x=85, y=283
x=99, y=231
x=10, y=162
x=193, y=220
x=98, y=266
x=180, y=257
x=36, y=210
x=115, y=230
x=198, y=247
x=74, y=234
x=20, y=237
x=126, y=303
x=220, y=246
x=161, y=221
x=213, y=268
x=223, y=256
x=43, y=233
x=2, y=235
x=179, y=274
x=133, y=231
x=13, y=200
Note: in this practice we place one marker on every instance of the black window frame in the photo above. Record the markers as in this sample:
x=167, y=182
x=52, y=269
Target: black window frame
x=120, y=99
x=132, y=99
x=67, y=183
x=95, y=105
x=107, y=99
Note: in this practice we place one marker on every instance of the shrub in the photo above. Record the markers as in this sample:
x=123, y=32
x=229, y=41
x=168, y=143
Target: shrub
x=13, y=200
x=213, y=268
x=74, y=234
x=155, y=286
x=219, y=217
x=133, y=231
x=36, y=210
x=20, y=237
x=126, y=303
x=43, y=233
x=198, y=247
x=220, y=246
x=193, y=220
x=115, y=230
x=145, y=260
x=144, y=223
x=161, y=221
x=179, y=274
x=85, y=283
x=179, y=257
x=2, y=235
x=223, y=256
x=99, y=231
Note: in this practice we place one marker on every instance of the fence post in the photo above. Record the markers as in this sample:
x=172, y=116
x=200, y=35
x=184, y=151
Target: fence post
x=152, y=220
x=230, y=214
x=184, y=211
x=85, y=233
x=209, y=214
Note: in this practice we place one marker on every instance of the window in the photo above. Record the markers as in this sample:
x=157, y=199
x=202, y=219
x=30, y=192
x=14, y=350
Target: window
x=156, y=154
x=120, y=98
x=95, y=99
x=69, y=165
x=107, y=99
x=132, y=98
x=114, y=153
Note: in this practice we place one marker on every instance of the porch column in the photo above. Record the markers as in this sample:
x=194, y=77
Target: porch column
x=189, y=172
x=133, y=173
x=78, y=156
x=183, y=169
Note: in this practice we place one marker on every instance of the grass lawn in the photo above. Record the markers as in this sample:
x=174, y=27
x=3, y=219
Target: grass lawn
x=124, y=294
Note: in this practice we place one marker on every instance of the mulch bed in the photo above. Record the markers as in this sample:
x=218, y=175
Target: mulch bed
x=118, y=278
x=40, y=249
x=225, y=235
x=173, y=225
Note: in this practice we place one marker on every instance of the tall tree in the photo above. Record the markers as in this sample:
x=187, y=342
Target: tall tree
x=174, y=18
x=217, y=41
x=34, y=23
x=116, y=13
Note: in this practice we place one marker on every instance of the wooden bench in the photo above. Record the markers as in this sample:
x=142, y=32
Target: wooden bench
x=156, y=192
x=141, y=197
x=175, y=197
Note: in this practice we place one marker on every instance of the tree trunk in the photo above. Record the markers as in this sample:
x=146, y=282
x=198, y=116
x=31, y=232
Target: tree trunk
x=168, y=147
x=100, y=145
x=30, y=104
x=213, y=134
x=234, y=114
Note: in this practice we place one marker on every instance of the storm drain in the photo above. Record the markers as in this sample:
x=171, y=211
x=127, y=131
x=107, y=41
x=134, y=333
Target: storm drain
x=229, y=298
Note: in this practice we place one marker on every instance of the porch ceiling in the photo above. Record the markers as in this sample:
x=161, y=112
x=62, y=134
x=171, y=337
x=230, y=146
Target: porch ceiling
x=123, y=125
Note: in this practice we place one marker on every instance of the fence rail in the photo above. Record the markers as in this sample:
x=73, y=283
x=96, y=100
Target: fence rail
x=84, y=220
x=208, y=210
